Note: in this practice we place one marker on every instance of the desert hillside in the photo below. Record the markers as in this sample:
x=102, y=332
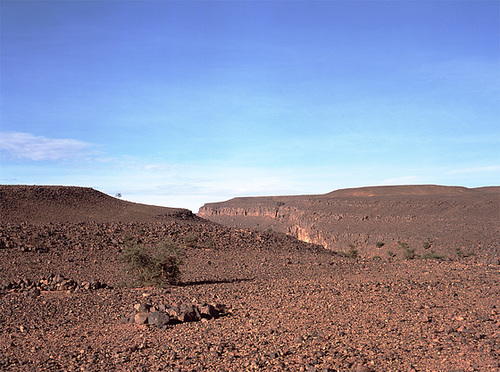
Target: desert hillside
x=443, y=219
x=246, y=299
x=42, y=204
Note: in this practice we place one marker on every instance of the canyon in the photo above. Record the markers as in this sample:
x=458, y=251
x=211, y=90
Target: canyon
x=376, y=220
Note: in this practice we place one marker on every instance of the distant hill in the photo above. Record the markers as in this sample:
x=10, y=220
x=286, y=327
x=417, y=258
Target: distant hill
x=44, y=204
x=449, y=217
x=431, y=190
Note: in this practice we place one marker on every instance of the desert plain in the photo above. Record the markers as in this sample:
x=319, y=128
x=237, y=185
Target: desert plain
x=252, y=296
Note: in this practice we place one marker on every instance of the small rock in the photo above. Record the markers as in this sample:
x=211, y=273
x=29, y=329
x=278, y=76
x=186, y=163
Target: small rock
x=58, y=279
x=425, y=319
x=174, y=312
x=222, y=309
x=158, y=319
x=141, y=318
x=208, y=311
x=95, y=284
x=142, y=308
x=34, y=292
x=189, y=313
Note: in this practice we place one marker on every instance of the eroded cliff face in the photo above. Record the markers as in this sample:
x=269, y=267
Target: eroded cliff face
x=460, y=219
x=331, y=230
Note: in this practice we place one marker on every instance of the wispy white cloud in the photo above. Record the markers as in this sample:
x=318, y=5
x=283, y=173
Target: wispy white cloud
x=156, y=167
x=22, y=145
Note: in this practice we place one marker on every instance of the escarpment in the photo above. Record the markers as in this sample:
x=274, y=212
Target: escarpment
x=376, y=220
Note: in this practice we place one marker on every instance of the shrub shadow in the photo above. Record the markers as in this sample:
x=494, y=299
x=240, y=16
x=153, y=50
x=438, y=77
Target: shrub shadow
x=214, y=281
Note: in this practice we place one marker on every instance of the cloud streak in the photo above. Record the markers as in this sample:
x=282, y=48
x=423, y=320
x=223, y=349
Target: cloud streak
x=20, y=145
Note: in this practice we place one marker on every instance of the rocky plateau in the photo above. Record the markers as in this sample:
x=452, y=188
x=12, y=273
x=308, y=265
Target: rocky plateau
x=441, y=219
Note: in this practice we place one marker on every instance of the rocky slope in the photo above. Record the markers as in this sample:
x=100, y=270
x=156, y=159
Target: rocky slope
x=68, y=302
x=42, y=204
x=428, y=218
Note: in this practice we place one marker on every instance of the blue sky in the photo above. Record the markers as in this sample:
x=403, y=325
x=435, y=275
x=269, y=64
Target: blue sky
x=179, y=103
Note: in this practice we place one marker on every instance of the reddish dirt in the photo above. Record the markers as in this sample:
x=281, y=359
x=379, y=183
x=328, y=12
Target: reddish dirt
x=293, y=306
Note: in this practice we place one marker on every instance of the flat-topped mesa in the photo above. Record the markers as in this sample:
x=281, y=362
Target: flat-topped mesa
x=401, y=190
x=45, y=204
x=449, y=217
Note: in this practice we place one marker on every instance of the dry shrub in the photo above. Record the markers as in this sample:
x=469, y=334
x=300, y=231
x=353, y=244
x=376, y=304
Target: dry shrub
x=157, y=265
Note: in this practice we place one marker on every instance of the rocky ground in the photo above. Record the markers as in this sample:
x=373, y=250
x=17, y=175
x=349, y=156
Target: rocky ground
x=67, y=301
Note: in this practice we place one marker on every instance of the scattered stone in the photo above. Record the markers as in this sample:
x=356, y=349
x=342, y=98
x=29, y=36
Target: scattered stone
x=52, y=283
x=425, y=319
x=125, y=319
x=141, y=308
x=34, y=292
x=141, y=318
x=158, y=319
x=208, y=311
x=189, y=313
x=174, y=312
x=162, y=315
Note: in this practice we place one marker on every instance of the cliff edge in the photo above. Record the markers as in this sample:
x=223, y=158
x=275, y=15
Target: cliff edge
x=374, y=220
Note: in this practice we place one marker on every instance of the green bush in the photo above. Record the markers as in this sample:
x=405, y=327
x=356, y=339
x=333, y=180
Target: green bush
x=427, y=244
x=158, y=265
x=433, y=256
x=391, y=254
x=210, y=244
x=408, y=253
x=462, y=254
x=379, y=244
x=353, y=253
x=191, y=240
